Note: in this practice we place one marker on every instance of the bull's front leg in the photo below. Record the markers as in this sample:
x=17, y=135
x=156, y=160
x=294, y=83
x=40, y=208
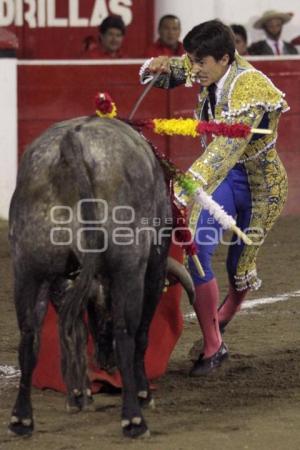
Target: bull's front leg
x=127, y=298
x=101, y=328
x=133, y=422
x=154, y=281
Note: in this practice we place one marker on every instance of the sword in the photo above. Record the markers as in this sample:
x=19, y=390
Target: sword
x=143, y=95
x=135, y=108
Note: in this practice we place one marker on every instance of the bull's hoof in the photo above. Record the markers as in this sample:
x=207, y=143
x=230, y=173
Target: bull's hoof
x=146, y=400
x=80, y=401
x=20, y=426
x=72, y=408
x=87, y=402
x=136, y=428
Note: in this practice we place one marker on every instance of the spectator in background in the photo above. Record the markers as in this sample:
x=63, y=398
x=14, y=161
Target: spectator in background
x=240, y=38
x=296, y=41
x=272, y=23
x=110, y=40
x=168, y=44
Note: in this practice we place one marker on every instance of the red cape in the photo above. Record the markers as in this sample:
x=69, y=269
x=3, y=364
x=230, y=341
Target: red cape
x=164, y=333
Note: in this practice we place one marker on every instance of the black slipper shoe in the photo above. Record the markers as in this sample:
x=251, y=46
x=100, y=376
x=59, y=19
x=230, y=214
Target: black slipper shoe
x=204, y=366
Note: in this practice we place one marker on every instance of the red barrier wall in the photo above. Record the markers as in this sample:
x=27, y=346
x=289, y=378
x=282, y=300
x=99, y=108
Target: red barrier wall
x=58, y=32
x=48, y=93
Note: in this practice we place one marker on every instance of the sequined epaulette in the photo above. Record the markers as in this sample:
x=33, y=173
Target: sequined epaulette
x=182, y=67
x=252, y=88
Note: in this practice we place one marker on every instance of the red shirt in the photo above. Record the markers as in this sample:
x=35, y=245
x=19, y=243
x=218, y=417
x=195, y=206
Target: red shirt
x=296, y=41
x=160, y=49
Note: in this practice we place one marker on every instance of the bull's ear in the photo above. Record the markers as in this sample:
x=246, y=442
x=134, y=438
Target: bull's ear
x=177, y=273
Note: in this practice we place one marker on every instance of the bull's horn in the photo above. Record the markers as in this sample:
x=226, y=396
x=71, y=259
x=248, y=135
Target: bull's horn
x=179, y=272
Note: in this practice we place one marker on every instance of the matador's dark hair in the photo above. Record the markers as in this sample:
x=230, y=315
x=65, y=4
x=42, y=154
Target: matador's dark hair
x=211, y=38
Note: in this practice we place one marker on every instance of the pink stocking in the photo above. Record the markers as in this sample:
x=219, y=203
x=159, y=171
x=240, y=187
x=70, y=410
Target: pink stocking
x=231, y=305
x=205, y=306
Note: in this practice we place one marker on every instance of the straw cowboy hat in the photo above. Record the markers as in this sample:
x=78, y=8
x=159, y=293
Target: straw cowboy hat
x=272, y=14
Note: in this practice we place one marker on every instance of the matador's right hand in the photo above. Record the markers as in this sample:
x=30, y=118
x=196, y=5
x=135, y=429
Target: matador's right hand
x=160, y=64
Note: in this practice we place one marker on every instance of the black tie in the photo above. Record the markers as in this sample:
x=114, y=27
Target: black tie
x=212, y=97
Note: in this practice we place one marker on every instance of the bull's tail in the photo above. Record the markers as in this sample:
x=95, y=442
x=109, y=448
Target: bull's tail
x=71, y=150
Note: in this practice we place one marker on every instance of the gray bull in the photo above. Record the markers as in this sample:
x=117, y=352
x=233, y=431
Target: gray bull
x=91, y=207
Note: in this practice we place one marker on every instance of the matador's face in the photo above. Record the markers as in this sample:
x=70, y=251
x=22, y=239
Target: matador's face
x=207, y=69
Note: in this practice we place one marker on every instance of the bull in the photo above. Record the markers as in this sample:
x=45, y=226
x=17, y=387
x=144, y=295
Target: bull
x=77, y=228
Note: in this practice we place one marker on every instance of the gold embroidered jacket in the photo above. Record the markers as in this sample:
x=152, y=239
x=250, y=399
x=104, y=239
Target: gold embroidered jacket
x=248, y=97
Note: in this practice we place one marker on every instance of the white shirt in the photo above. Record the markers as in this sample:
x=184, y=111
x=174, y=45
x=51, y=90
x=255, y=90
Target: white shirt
x=220, y=84
x=272, y=43
x=219, y=87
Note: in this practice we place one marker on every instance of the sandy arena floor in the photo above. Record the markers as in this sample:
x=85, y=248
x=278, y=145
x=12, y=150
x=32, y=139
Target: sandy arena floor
x=252, y=402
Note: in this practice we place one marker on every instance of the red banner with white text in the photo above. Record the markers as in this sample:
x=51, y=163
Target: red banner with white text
x=55, y=29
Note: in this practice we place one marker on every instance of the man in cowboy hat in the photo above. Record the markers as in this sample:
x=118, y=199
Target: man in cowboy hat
x=272, y=22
